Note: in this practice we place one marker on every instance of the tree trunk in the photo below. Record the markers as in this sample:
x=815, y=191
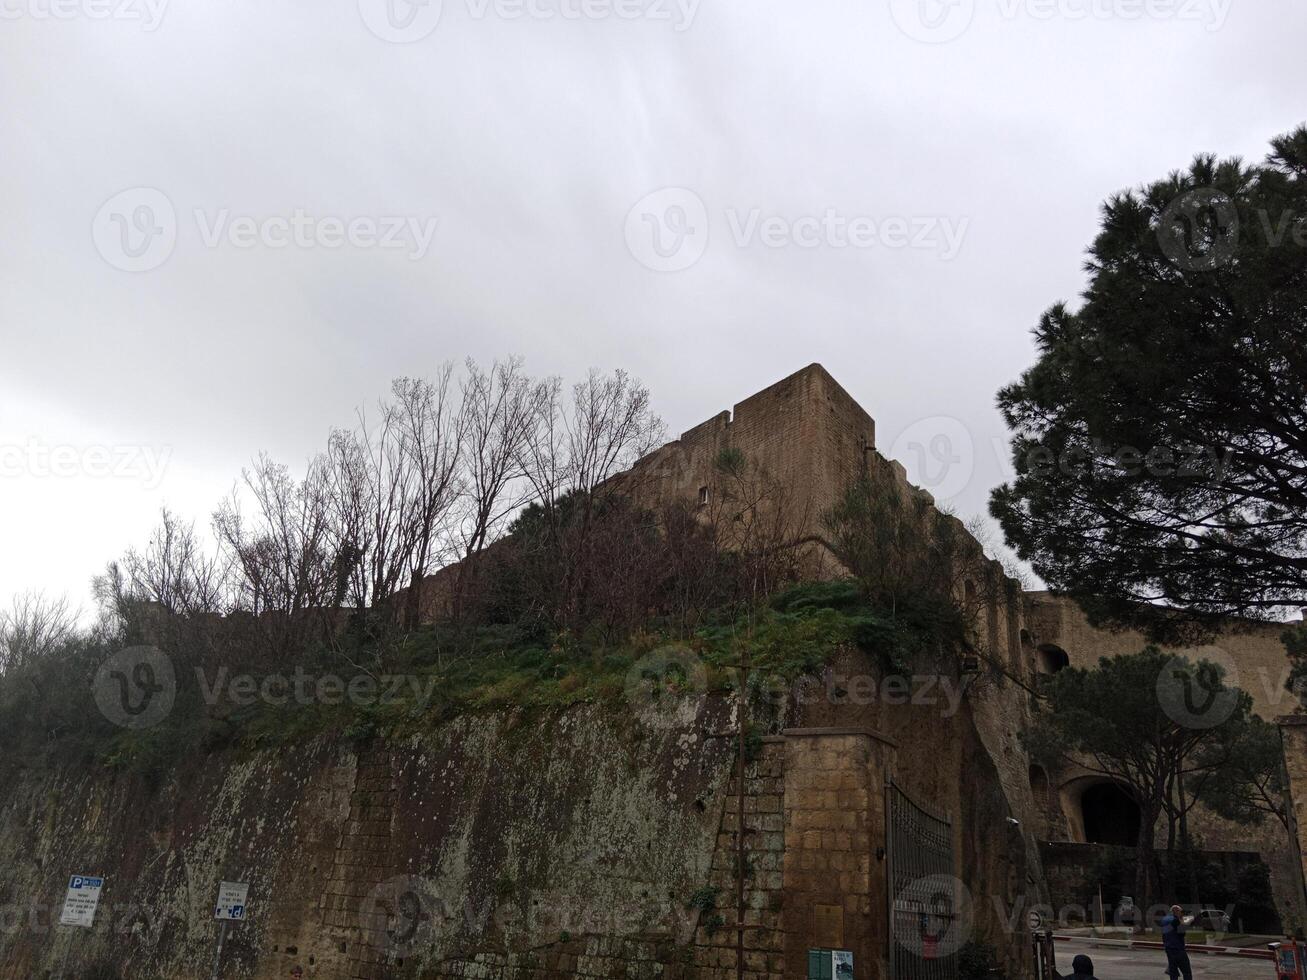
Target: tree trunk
x=1166, y=867
x=1191, y=864
x=1144, y=857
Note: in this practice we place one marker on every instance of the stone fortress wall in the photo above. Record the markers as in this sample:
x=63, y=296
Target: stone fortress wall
x=503, y=824
x=815, y=439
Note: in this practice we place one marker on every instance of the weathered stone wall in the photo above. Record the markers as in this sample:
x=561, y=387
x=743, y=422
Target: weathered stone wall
x=519, y=839
x=558, y=846
x=1293, y=735
x=1254, y=658
x=805, y=431
x=1253, y=654
x=571, y=844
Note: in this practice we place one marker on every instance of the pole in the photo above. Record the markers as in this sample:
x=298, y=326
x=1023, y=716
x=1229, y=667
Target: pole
x=222, y=940
x=63, y=961
x=739, y=827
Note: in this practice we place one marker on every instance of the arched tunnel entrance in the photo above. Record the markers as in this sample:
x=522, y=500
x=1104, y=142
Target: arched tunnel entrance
x=1051, y=659
x=1111, y=816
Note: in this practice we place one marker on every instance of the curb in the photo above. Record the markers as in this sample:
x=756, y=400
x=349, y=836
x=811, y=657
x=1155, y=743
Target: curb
x=1248, y=954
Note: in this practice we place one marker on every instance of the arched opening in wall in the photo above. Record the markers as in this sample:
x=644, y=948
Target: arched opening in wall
x=1050, y=659
x=1039, y=783
x=1110, y=813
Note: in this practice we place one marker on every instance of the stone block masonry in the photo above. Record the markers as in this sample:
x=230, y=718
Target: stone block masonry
x=835, y=891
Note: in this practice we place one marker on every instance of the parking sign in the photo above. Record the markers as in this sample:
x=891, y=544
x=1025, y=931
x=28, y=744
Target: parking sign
x=81, y=901
x=232, y=896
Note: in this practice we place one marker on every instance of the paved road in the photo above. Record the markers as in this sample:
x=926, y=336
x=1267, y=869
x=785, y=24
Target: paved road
x=1149, y=964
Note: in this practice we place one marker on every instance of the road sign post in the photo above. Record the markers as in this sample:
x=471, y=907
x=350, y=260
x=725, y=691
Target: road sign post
x=233, y=898
x=80, y=902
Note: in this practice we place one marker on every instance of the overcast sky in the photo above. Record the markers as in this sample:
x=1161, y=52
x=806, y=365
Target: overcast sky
x=227, y=225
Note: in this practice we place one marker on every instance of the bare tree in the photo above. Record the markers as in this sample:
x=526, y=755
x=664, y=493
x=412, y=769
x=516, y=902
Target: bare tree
x=175, y=571
x=370, y=494
x=573, y=450
x=498, y=412
x=431, y=437
x=33, y=628
x=283, y=551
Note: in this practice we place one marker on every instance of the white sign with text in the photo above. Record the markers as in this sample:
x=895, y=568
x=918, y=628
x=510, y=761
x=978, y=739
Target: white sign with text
x=81, y=901
x=232, y=896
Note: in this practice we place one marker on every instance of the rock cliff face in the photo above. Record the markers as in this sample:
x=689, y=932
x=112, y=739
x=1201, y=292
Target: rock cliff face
x=579, y=842
x=511, y=834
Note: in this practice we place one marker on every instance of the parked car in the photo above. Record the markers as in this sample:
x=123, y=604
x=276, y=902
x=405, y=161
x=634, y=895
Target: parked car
x=1213, y=920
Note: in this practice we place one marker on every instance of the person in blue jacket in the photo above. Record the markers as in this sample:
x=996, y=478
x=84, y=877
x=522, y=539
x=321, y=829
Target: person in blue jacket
x=1174, y=927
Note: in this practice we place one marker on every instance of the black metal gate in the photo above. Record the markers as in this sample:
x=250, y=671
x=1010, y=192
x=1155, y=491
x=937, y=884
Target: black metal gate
x=926, y=915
